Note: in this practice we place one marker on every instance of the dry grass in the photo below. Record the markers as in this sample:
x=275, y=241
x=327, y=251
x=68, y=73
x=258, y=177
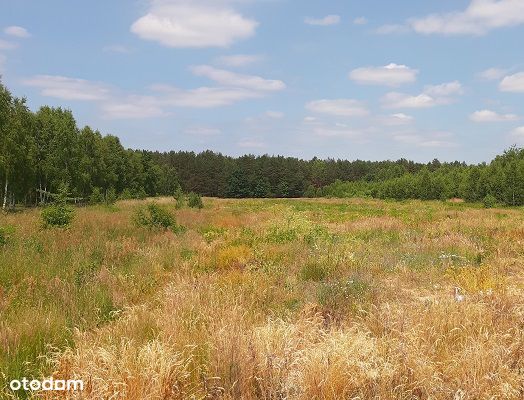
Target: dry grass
x=282, y=299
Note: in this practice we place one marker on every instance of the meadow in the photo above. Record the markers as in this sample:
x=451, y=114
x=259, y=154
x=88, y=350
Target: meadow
x=268, y=299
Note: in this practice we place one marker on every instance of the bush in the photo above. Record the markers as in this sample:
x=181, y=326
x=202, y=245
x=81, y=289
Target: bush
x=179, y=197
x=489, y=201
x=155, y=217
x=96, y=196
x=111, y=196
x=194, y=200
x=126, y=194
x=57, y=215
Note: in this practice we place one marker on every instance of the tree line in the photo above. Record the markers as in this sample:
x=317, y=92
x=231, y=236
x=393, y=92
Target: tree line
x=42, y=150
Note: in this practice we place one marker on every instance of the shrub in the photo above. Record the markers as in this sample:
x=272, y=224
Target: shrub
x=126, y=194
x=489, y=201
x=96, y=196
x=111, y=196
x=194, y=200
x=179, y=197
x=57, y=215
x=155, y=217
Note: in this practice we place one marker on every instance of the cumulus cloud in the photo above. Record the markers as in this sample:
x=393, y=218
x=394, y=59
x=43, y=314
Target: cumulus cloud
x=229, y=78
x=62, y=87
x=338, y=107
x=326, y=21
x=388, y=75
x=115, y=104
x=491, y=116
x=480, y=17
x=186, y=24
x=445, y=89
x=433, y=95
x=513, y=83
x=17, y=31
x=239, y=60
x=133, y=107
x=492, y=74
x=396, y=119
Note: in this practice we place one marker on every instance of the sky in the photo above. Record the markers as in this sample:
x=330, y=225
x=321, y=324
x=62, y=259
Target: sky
x=346, y=79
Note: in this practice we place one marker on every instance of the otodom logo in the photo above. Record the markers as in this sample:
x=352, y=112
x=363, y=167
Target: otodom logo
x=46, y=384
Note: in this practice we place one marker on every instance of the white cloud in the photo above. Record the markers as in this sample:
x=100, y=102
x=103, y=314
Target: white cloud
x=65, y=88
x=327, y=20
x=445, y=89
x=492, y=116
x=480, y=17
x=402, y=100
x=360, y=21
x=433, y=95
x=202, y=131
x=432, y=139
x=203, y=97
x=189, y=24
x=513, y=83
x=6, y=45
x=275, y=114
x=229, y=78
x=492, y=74
x=338, y=107
x=396, y=119
x=133, y=107
x=17, y=31
x=388, y=75
x=239, y=60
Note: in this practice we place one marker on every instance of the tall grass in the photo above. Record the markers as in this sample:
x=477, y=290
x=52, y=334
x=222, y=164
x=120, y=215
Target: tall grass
x=270, y=299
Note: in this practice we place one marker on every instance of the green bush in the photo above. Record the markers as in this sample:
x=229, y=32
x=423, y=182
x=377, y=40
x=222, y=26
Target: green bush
x=489, y=201
x=111, y=196
x=179, y=197
x=57, y=215
x=153, y=216
x=194, y=200
x=126, y=194
x=96, y=196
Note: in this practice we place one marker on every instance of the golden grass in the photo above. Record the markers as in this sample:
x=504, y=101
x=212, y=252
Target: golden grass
x=236, y=307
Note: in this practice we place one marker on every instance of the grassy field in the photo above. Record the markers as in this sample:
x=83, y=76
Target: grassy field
x=269, y=299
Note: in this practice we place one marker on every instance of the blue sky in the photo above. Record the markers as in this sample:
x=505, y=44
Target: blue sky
x=342, y=79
